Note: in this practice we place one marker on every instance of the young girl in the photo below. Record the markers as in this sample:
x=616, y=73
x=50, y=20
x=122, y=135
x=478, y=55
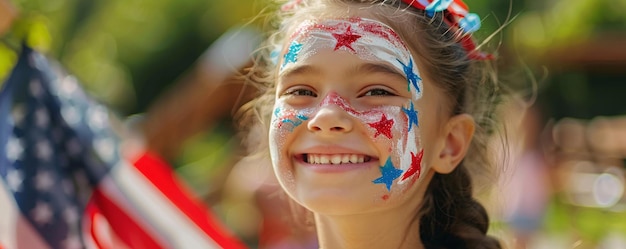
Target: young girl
x=376, y=118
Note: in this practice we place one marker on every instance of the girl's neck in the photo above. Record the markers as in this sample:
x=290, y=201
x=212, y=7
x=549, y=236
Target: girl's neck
x=377, y=230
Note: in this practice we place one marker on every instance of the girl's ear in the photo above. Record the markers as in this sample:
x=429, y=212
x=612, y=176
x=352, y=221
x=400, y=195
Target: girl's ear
x=457, y=136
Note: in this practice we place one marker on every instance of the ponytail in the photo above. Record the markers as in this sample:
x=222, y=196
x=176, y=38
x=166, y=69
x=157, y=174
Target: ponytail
x=452, y=218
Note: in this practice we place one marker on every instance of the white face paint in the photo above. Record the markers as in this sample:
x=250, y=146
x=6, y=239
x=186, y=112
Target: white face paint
x=388, y=123
x=368, y=39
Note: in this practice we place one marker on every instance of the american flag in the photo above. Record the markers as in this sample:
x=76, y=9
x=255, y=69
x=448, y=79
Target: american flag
x=66, y=182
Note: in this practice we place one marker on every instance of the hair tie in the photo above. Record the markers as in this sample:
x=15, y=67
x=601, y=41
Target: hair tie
x=457, y=16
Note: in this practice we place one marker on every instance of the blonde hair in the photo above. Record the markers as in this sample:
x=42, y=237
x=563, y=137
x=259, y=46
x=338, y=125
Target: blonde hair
x=472, y=87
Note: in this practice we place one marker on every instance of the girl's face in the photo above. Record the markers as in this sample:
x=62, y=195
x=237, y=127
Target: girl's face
x=353, y=118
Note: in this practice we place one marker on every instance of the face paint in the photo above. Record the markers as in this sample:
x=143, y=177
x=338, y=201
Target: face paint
x=395, y=128
x=368, y=39
x=385, y=125
x=290, y=118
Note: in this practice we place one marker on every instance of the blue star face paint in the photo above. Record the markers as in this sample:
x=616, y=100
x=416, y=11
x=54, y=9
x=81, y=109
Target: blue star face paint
x=389, y=174
x=292, y=53
x=411, y=115
x=412, y=78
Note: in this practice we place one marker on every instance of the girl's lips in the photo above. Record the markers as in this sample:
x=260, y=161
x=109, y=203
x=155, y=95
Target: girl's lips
x=331, y=149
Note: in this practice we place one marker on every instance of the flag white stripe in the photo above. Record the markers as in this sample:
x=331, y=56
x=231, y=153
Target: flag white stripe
x=155, y=208
x=128, y=203
x=87, y=237
x=27, y=237
x=8, y=220
x=15, y=231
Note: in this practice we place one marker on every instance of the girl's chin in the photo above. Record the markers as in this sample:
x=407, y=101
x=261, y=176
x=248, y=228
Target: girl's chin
x=335, y=205
x=342, y=205
x=344, y=199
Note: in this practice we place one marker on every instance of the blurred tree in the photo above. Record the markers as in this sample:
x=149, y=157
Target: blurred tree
x=582, y=44
x=127, y=52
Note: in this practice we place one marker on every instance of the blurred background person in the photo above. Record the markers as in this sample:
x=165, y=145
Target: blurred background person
x=526, y=185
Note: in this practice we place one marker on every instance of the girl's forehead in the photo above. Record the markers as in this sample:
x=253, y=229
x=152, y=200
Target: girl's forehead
x=356, y=25
x=368, y=39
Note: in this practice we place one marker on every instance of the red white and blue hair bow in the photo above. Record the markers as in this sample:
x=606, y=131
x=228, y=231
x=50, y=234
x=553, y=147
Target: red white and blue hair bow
x=457, y=15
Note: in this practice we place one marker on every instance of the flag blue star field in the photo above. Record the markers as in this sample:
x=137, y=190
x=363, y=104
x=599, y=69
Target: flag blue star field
x=65, y=181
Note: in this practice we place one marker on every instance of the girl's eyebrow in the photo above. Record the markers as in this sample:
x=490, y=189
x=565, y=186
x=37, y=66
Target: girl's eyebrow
x=363, y=68
x=377, y=68
x=304, y=69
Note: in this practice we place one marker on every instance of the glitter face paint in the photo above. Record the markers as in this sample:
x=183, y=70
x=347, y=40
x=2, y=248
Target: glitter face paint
x=290, y=118
x=394, y=127
x=368, y=39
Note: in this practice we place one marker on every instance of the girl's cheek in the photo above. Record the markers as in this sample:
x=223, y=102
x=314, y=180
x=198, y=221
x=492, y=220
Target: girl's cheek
x=396, y=130
x=410, y=152
x=286, y=119
x=382, y=126
x=283, y=123
x=278, y=133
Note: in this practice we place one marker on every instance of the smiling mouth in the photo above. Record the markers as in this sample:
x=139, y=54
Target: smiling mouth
x=335, y=158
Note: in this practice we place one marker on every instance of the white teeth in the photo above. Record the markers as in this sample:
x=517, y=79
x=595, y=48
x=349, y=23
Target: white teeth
x=345, y=158
x=324, y=159
x=354, y=158
x=335, y=159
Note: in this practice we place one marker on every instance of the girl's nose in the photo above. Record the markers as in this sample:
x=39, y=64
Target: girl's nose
x=332, y=116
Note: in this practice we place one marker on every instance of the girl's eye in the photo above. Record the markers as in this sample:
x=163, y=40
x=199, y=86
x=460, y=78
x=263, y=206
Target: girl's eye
x=301, y=92
x=378, y=92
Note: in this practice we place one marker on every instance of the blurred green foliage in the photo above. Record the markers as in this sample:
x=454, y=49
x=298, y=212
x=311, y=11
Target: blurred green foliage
x=202, y=164
x=589, y=224
x=125, y=52
x=544, y=25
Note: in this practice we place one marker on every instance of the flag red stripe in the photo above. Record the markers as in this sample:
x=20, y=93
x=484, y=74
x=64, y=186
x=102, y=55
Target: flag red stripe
x=162, y=177
x=90, y=212
x=125, y=227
